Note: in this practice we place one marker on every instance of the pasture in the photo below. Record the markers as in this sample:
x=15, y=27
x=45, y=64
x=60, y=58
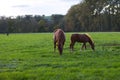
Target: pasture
x=30, y=57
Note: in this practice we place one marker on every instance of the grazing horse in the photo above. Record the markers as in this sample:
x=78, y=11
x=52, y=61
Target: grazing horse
x=83, y=38
x=59, y=40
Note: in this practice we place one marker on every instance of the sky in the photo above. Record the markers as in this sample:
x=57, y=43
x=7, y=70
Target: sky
x=35, y=7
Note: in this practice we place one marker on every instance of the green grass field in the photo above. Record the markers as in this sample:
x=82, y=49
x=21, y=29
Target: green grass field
x=31, y=57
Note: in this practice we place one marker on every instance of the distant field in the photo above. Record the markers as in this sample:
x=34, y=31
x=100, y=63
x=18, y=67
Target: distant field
x=31, y=57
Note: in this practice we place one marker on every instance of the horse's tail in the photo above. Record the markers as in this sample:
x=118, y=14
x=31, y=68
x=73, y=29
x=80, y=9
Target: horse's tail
x=91, y=40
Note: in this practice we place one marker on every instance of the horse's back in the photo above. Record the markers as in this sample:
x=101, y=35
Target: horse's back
x=75, y=37
x=79, y=38
x=59, y=34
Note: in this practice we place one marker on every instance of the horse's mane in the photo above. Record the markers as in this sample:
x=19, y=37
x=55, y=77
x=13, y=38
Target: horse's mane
x=89, y=37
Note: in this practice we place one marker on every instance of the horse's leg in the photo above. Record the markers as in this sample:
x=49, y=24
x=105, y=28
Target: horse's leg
x=72, y=46
x=83, y=46
x=54, y=46
x=60, y=48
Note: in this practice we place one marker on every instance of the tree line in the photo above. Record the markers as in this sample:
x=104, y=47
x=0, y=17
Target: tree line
x=29, y=23
x=94, y=15
x=88, y=15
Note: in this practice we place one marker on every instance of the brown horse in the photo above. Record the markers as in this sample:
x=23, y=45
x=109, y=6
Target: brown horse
x=83, y=38
x=59, y=40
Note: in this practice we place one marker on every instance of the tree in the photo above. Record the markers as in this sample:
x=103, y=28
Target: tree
x=93, y=15
x=42, y=25
x=3, y=25
x=57, y=20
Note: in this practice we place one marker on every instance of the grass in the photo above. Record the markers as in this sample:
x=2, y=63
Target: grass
x=31, y=57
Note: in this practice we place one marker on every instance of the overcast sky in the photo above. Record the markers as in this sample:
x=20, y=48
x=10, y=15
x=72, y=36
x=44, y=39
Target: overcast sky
x=35, y=7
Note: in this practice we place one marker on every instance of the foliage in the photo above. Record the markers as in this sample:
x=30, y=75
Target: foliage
x=29, y=23
x=94, y=15
x=30, y=57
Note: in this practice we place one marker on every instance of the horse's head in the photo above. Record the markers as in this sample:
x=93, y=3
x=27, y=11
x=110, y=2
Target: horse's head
x=93, y=46
x=91, y=41
x=60, y=48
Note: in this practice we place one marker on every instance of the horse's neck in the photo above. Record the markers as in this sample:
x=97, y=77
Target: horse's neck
x=91, y=42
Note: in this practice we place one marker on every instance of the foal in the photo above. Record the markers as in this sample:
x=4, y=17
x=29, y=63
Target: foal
x=83, y=38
